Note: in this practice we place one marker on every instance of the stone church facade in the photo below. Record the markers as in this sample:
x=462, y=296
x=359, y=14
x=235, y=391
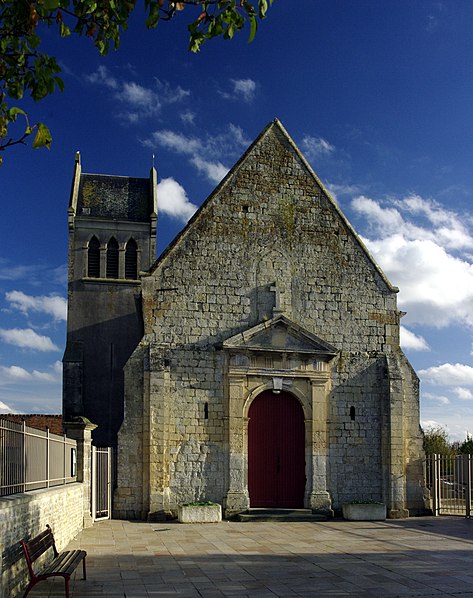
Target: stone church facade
x=268, y=372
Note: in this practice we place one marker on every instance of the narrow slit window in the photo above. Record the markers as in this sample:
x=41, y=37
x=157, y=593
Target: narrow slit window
x=206, y=411
x=352, y=413
x=93, y=258
x=112, y=258
x=131, y=261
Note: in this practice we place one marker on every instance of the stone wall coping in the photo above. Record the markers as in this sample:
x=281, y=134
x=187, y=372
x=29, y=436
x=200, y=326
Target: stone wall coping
x=25, y=497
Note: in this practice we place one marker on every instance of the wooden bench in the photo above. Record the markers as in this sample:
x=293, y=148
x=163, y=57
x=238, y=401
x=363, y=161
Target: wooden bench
x=62, y=565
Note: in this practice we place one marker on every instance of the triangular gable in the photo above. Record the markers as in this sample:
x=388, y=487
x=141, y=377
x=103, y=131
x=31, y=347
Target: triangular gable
x=275, y=124
x=280, y=335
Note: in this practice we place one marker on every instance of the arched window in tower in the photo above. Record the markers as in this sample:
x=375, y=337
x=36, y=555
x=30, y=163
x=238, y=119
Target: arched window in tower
x=131, y=262
x=93, y=258
x=112, y=258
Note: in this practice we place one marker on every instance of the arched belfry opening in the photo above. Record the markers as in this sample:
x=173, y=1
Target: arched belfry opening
x=276, y=451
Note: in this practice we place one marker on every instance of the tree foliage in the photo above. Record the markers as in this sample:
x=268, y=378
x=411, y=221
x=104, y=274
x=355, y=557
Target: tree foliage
x=466, y=446
x=436, y=442
x=26, y=70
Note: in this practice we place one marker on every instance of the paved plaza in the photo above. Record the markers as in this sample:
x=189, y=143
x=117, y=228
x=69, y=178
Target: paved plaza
x=415, y=557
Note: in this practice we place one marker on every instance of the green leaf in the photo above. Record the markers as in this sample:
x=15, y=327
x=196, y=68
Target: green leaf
x=14, y=112
x=50, y=4
x=43, y=137
x=263, y=7
x=253, y=28
x=153, y=17
x=64, y=30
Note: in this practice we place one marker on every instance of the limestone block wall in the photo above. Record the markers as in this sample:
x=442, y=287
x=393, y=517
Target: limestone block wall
x=355, y=412
x=269, y=240
x=133, y=442
x=195, y=427
x=25, y=515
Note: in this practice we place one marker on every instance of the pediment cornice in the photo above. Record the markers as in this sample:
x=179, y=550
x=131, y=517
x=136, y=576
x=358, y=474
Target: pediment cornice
x=280, y=335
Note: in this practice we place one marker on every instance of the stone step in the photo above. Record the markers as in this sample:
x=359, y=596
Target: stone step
x=280, y=515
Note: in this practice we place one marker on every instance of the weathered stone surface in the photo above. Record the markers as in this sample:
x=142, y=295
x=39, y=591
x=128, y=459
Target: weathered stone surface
x=269, y=248
x=199, y=513
x=364, y=512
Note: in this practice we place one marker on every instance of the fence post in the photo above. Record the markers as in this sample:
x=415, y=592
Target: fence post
x=435, y=484
x=80, y=429
x=23, y=465
x=467, y=458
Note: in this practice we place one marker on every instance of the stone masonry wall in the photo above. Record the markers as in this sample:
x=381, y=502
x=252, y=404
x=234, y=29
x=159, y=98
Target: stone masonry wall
x=26, y=515
x=269, y=224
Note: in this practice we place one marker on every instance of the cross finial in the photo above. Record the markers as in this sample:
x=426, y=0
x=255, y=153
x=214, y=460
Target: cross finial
x=277, y=298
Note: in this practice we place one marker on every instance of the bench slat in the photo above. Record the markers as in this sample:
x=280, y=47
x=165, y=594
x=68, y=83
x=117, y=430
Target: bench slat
x=65, y=563
x=38, y=545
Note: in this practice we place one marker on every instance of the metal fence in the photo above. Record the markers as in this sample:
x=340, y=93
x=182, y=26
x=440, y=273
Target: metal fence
x=449, y=480
x=31, y=459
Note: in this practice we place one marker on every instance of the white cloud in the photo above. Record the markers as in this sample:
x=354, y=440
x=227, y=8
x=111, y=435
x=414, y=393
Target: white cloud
x=28, y=339
x=442, y=399
x=57, y=368
x=177, y=142
x=448, y=374
x=139, y=101
x=242, y=89
x=463, y=393
x=444, y=227
x=214, y=171
x=36, y=274
x=138, y=96
x=315, y=147
x=187, y=117
x=421, y=247
x=4, y=408
x=206, y=153
x=337, y=190
x=409, y=340
x=173, y=200
x=18, y=374
x=53, y=305
x=103, y=76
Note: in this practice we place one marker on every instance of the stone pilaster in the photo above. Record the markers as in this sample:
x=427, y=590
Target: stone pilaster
x=319, y=498
x=80, y=429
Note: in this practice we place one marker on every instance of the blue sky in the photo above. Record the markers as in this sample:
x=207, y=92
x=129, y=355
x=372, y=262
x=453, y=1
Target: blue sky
x=377, y=95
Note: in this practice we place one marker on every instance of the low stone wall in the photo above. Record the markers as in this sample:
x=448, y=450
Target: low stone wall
x=25, y=515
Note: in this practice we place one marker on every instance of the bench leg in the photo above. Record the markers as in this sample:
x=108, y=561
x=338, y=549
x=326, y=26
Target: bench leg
x=83, y=569
x=66, y=581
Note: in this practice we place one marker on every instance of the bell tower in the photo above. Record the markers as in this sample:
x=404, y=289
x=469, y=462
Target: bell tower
x=112, y=239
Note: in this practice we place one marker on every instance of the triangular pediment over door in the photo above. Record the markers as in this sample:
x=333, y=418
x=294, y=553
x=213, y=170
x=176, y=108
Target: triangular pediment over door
x=280, y=335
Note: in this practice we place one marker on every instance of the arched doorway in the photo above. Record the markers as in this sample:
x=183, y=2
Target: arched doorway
x=276, y=455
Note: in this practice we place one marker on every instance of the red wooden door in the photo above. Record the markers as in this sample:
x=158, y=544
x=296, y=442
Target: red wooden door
x=276, y=460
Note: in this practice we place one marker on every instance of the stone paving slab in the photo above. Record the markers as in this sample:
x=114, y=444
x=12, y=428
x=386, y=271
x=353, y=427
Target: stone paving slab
x=426, y=557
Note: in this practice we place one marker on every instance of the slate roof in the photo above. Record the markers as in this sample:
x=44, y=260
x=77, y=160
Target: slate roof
x=114, y=197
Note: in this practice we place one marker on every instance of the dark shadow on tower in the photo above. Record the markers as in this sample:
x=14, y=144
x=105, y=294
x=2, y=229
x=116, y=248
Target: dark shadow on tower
x=112, y=238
